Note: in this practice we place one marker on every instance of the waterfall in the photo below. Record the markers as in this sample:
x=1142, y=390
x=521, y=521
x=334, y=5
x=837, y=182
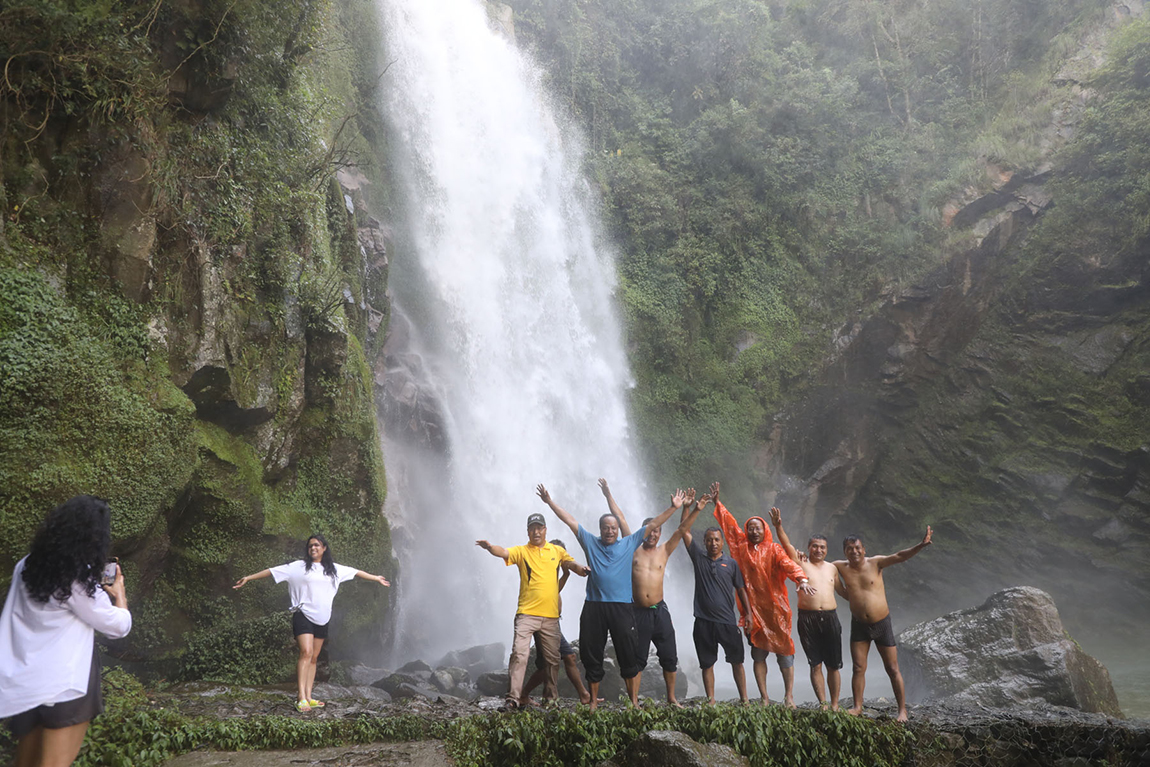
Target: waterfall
x=503, y=328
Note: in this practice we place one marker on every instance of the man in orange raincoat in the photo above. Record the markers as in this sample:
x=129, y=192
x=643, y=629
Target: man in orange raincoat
x=765, y=567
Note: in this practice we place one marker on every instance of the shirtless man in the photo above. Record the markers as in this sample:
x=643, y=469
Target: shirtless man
x=819, y=629
x=861, y=583
x=652, y=619
x=607, y=607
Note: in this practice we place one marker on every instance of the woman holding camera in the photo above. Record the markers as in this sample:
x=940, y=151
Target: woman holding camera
x=312, y=584
x=61, y=594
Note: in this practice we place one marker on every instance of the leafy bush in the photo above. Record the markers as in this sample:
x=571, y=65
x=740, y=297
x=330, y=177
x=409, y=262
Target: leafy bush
x=249, y=652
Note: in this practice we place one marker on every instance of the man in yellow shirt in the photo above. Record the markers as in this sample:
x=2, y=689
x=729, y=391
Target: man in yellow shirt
x=538, y=611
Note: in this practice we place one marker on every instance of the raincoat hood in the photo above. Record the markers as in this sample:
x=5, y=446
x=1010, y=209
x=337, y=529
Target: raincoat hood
x=766, y=568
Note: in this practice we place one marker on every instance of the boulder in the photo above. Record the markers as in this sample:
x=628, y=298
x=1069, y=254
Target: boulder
x=667, y=748
x=1011, y=651
x=477, y=660
x=414, y=667
x=393, y=682
x=494, y=683
x=442, y=681
x=361, y=675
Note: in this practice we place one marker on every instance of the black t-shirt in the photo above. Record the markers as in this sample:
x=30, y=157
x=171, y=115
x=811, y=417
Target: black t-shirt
x=715, y=584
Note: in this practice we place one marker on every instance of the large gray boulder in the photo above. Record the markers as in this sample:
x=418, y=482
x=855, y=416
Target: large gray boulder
x=1011, y=651
x=667, y=748
x=477, y=660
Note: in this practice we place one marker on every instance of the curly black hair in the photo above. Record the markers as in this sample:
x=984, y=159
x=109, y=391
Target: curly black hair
x=70, y=546
x=327, y=562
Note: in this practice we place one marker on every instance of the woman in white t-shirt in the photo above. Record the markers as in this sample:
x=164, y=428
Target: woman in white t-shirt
x=49, y=667
x=312, y=584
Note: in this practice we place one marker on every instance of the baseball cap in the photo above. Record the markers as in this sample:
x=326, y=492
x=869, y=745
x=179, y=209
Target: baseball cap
x=536, y=519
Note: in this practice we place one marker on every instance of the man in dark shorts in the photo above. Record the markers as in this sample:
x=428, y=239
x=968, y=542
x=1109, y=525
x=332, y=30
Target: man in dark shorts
x=718, y=580
x=652, y=618
x=819, y=629
x=860, y=581
x=607, y=608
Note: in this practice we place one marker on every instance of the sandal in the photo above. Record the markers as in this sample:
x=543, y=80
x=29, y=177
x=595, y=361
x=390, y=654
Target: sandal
x=302, y=706
x=316, y=703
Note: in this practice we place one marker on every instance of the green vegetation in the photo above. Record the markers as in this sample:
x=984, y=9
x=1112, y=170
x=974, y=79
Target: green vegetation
x=133, y=733
x=772, y=170
x=167, y=181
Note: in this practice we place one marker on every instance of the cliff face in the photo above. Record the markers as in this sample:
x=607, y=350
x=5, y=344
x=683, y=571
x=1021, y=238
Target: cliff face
x=1002, y=399
x=192, y=303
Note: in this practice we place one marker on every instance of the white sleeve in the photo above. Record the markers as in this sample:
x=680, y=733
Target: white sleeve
x=344, y=573
x=283, y=572
x=99, y=612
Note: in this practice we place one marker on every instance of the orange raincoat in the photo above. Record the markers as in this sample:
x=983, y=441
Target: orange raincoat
x=766, y=568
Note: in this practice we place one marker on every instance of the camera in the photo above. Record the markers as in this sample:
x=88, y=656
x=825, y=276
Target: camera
x=108, y=577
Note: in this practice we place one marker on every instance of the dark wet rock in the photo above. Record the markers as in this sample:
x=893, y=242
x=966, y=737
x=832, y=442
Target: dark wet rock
x=442, y=681
x=371, y=693
x=414, y=666
x=393, y=682
x=458, y=674
x=1010, y=651
x=406, y=690
x=477, y=660
x=493, y=683
x=366, y=675
x=667, y=748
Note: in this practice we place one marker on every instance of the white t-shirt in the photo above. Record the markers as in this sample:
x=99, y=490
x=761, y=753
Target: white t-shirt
x=46, y=648
x=311, y=590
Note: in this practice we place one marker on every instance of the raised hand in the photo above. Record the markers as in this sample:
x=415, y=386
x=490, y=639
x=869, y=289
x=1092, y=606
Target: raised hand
x=603, y=486
x=703, y=500
x=485, y=545
x=678, y=498
x=926, y=538
x=543, y=494
x=690, y=498
x=715, y=491
x=776, y=516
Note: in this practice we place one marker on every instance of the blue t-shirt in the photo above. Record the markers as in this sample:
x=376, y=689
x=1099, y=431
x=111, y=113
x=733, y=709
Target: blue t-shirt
x=610, y=578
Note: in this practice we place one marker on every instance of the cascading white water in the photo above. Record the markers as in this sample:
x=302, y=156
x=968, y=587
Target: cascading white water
x=510, y=287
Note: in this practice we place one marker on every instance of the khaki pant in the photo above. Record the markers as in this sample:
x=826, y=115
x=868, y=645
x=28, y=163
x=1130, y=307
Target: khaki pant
x=547, y=644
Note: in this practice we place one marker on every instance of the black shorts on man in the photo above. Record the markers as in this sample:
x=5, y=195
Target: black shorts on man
x=822, y=637
x=301, y=625
x=653, y=624
x=595, y=622
x=708, y=635
x=879, y=632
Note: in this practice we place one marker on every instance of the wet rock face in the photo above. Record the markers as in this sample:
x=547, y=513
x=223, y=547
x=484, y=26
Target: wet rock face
x=667, y=748
x=1010, y=651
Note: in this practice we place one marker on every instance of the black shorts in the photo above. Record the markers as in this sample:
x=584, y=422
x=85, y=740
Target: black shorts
x=301, y=625
x=822, y=637
x=67, y=713
x=879, y=632
x=596, y=620
x=565, y=649
x=653, y=624
x=708, y=635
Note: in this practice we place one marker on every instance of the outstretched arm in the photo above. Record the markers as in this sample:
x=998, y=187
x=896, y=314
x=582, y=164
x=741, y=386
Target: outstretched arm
x=690, y=514
x=677, y=536
x=784, y=541
x=727, y=522
x=676, y=504
x=253, y=577
x=369, y=577
x=624, y=528
x=905, y=554
x=564, y=517
x=571, y=566
x=496, y=551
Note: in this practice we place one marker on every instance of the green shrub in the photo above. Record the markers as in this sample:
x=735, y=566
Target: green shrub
x=248, y=652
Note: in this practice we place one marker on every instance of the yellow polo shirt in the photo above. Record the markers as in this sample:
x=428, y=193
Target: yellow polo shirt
x=538, y=577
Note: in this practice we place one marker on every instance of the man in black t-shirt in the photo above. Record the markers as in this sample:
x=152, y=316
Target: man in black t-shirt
x=718, y=580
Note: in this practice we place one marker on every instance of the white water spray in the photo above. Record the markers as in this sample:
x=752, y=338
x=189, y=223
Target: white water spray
x=509, y=287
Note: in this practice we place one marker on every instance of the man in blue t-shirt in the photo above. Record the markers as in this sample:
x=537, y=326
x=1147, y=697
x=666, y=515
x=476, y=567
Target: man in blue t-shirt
x=718, y=580
x=607, y=608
